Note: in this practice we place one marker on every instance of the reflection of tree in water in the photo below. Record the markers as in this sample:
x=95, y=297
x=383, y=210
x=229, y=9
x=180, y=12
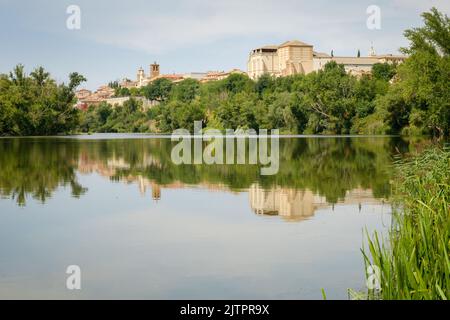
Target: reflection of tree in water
x=37, y=167
x=329, y=167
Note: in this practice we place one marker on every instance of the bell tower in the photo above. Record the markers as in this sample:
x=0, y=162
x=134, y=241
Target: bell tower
x=140, y=76
x=154, y=70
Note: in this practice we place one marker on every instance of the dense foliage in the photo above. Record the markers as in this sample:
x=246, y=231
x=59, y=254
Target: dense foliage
x=118, y=119
x=419, y=101
x=35, y=105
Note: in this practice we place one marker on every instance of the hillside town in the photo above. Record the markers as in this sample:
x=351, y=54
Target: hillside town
x=107, y=93
x=289, y=58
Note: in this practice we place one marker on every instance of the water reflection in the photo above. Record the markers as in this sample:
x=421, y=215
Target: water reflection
x=36, y=168
x=314, y=172
x=297, y=205
x=141, y=227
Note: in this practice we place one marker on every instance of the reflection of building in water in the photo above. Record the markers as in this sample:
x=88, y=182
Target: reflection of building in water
x=144, y=183
x=110, y=166
x=289, y=203
x=156, y=192
x=293, y=204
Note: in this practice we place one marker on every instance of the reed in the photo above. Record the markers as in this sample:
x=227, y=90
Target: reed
x=414, y=258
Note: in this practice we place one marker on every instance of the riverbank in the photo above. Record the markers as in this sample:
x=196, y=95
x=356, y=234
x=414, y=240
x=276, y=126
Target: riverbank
x=414, y=261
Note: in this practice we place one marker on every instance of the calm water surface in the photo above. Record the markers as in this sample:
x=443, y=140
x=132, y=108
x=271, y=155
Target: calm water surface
x=141, y=227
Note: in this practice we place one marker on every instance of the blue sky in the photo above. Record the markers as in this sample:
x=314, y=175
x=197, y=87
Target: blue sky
x=117, y=37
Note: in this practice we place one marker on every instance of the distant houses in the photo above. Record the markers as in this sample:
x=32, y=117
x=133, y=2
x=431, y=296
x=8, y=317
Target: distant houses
x=107, y=94
x=87, y=98
x=289, y=58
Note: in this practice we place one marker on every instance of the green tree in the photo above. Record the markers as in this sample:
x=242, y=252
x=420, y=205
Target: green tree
x=433, y=37
x=186, y=90
x=266, y=82
x=181, y=115
x=383, y=71
x=236, y=83
x=122, y=92
x=40, y=76
x=158, y=90
x=238, y=111
x=419, y=101
x=330, y=96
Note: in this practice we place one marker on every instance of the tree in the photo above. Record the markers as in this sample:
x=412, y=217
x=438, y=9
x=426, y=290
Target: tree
x=359, y=54
x=419, y=101
x=158, y=90
x=330, y=96
x=238, y=111
x=396, y=110
x=181, y=115
x=280, y=113
x=114, y=84
x=122, y=92
x=40, y=76
x=186, y=90
x=18, y=76
x=75, y=80
x=103, y=112
x=383, y=71
x=265, y=82
x=236, y=83
x=433, y=37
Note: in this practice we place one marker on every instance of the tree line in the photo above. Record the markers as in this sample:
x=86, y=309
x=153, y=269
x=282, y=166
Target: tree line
x=410, y=98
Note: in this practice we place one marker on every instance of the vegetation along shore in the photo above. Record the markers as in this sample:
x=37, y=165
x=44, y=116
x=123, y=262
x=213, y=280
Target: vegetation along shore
x=411, y=98
x=414, y=261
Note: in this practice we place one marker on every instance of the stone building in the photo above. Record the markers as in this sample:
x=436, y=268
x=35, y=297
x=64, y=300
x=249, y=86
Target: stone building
x=140, y=77
x=291, y=57
x=219, y=75
x=154, y=70
x=82, y=94
x=296, y=57
x=86, y=97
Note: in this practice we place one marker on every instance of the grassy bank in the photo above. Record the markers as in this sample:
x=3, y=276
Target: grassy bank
x=414, y=261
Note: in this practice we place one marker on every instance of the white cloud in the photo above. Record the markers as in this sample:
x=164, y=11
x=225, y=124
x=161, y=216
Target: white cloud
x=201, y=22
x=157, y=27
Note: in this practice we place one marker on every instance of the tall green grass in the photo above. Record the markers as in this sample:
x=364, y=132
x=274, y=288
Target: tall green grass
x=414, y=259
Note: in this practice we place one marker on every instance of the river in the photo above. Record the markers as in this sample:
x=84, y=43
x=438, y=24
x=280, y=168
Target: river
x=141, y=227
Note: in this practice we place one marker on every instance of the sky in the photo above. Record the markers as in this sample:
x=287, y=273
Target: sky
x=118, y=37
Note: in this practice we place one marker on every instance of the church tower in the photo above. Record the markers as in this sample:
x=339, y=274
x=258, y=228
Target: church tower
x=154, y=70
x=140, y=77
